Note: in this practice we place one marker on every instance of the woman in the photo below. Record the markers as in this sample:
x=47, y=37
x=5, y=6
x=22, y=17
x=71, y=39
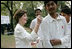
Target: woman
x=22, y=37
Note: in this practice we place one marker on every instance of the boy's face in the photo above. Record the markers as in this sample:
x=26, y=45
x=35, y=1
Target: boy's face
x=51, y=7
x=65, y=15
x=38, y=12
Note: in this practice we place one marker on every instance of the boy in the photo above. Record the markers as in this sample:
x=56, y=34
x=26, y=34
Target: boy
x=67, y=14
x=53, y=29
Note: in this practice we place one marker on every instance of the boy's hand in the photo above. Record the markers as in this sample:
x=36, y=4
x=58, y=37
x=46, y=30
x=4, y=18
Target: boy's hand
x=55, y=42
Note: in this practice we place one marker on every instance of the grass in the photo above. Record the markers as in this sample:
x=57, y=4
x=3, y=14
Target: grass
x=7, y=41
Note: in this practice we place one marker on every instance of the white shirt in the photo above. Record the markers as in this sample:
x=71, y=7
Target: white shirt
x=32, y=25
x=23, y=38
x=69, y=31
x=53, y=29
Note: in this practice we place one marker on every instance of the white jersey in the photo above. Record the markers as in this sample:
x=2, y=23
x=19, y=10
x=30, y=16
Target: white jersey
x=69, y=31
x=51, y=28
x=22, y=38
x=32, y=25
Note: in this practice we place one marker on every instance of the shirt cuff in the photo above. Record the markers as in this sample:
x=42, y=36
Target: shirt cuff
x=34, y=35
x=62, y=41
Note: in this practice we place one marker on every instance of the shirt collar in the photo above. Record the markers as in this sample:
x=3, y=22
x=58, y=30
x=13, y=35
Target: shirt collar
x=52, y=19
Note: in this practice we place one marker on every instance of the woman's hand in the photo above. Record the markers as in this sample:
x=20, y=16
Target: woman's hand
x=34, y=43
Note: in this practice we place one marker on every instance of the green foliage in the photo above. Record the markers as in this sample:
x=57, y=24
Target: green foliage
x=31, y=16
x=29, y=6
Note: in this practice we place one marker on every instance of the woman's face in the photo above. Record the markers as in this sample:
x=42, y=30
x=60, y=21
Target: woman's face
x=24, y=18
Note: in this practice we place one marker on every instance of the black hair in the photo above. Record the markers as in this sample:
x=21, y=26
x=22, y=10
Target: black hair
x=45, y=2
x=38, y=10
x=66, y=10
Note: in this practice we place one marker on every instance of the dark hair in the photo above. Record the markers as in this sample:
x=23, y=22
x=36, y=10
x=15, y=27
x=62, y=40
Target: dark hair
x=66, y=10
x=38, y=10
x=45, y=2
x=18, y=14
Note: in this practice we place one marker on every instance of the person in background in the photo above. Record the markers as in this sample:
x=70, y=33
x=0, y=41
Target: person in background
x=38, y=12
x=22, y=37
x=63, y=8
x=66, y=12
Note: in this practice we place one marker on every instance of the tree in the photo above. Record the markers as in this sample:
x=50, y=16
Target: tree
x=62, y=4
x=12, y=6
x=9, y=6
